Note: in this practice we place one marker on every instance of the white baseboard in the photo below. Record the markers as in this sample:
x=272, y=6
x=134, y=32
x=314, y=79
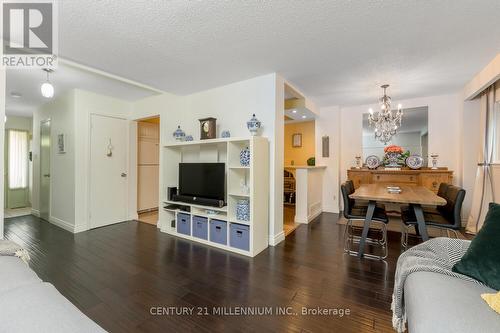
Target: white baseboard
x=276, y=239
x=62, y=224
x=331, y=209
x=305, y=220
x=35, y=212
x=301, y=219
x=80, y=228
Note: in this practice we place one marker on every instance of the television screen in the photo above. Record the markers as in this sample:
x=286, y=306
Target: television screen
x=203, y=180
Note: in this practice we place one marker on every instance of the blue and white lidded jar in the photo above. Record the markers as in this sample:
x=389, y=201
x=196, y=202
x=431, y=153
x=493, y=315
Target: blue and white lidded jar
x=179, y=134
x=188, y=138
x=243, y=210
x=245, y=157
x=254, y=125
x=225, y=134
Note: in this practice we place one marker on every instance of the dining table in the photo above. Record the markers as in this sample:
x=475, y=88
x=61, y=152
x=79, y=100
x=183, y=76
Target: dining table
x=415, y=196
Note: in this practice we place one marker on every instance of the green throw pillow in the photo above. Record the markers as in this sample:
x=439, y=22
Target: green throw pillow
x=482, y=259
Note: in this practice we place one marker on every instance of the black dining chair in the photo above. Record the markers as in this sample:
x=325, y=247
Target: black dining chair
x=447, y=217
x=356, y=212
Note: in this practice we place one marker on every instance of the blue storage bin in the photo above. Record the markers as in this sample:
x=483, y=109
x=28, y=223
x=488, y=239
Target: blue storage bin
x=218, y=231
x=200, y=227
x=239, y=236
x=184, y=223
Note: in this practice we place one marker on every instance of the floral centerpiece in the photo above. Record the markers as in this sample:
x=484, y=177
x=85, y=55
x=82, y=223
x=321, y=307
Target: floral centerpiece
x=394, y=156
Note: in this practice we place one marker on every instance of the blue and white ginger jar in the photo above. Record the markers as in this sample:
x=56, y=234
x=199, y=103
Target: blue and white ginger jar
x=179, y=134
x=243, y=210
x=254, y=125
x=225, y=134
x=245, y=157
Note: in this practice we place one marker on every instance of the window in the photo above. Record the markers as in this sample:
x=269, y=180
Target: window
x=18, y=159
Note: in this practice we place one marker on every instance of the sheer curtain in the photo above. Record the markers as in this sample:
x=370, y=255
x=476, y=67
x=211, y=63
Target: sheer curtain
x=484, y=187
x=18, y=159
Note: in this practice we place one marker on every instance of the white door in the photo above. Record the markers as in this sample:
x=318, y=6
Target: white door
x=108, y=170
x=45, y=170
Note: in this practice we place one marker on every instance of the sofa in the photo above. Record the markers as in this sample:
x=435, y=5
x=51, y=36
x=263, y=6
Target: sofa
x=27, y=304
x=439, y=303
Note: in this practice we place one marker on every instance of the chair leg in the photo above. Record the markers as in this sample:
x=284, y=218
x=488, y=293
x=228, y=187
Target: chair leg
x=404, y=237
x=384, y=244
x=348, y=236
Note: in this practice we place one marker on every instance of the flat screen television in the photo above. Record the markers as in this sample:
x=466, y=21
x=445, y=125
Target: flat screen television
x=202, y=180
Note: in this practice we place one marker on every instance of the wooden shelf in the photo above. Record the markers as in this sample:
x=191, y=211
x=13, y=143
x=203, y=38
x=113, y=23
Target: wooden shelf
x=239, y=167
x=203, y=142
x=220, y=209
x=240, y=195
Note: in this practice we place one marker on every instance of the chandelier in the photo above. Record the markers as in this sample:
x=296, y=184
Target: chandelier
x=386, y=122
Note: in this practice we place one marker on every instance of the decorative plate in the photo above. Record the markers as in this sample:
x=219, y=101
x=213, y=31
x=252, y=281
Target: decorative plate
x=372, y=162
x=414, y=162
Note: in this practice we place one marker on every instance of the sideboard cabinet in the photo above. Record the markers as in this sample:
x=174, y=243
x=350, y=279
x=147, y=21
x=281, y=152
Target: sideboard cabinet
x=430, y=178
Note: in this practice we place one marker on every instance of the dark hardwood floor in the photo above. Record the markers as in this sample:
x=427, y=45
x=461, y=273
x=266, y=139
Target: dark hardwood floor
x=115, y=274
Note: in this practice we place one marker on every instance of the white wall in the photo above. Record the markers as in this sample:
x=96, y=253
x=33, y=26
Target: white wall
x=61, y=112
x=328, y=124
x=232, y=105
x=20, y=123
x=444, y=131
x=70, y=114
x=87, y=103
x=2, y=129
x=444, y=117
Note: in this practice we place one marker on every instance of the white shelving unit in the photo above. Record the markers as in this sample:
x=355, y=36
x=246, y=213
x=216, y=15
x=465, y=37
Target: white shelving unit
x=255, y=176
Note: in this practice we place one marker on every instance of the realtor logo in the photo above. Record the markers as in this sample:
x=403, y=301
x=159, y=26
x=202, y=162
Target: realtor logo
x=29, y=34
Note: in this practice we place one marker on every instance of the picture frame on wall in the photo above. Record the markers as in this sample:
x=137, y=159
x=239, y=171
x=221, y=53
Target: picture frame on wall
x=297, y=140
x=61, y=143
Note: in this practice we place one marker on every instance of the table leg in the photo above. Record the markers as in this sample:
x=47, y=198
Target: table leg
x=366, y=227
x=422, y=228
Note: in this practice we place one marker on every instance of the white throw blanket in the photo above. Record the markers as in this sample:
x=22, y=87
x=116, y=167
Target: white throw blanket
x=9, y=248
x=437, y=255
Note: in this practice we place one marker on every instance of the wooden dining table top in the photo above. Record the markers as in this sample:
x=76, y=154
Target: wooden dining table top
x=409, y=195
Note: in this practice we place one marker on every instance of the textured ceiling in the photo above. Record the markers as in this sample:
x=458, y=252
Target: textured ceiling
x=28, y=82
x=337, y=52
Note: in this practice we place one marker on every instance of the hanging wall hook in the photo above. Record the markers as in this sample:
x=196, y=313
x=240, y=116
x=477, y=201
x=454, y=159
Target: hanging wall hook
x=110, y=149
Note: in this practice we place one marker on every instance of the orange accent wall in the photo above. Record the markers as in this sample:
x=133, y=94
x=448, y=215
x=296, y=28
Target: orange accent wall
x=300, y=155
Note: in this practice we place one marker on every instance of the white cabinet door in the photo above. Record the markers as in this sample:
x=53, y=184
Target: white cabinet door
x=148, y=180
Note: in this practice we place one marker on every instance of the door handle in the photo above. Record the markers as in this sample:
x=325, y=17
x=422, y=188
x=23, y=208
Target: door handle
x=124, y=174
x=47, y=175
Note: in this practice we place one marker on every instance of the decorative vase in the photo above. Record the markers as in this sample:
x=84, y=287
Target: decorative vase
x=179, y=134
x=244, y=187
x=225, y=134
x=243, y=210
x=434, y=161
x=245, y=157
x=254, y=125
x=358, y=162
x=393, y=160
x=311, y=161
x=188, y=138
